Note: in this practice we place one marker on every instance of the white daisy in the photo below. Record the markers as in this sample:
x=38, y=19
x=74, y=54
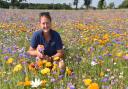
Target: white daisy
x=93, y=63
x=36, y=83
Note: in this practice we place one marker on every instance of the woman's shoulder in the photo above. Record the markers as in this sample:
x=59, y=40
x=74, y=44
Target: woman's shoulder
x=55, y=33
x=38, y=32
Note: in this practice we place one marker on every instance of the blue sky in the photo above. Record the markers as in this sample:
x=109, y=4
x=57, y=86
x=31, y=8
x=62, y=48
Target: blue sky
x=94, y=2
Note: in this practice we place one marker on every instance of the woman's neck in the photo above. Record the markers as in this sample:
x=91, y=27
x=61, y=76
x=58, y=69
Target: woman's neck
x=47, y=36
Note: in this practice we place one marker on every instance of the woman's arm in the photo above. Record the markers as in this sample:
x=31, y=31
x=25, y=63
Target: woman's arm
x=59, y=53
x=34, y=52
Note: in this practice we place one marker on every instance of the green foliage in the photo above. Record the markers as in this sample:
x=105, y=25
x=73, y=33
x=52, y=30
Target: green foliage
x=87, y=3
x=48, y=6
x=124, y=4
x=75, y=3
x=101, y=4
x=111, y=5
x=18, y=4
x=4, y=4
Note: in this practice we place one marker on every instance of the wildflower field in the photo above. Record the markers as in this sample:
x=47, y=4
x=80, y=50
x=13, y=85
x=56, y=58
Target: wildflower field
x=95, y=46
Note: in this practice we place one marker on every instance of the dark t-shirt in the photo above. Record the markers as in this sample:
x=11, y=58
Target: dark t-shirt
x=51, y=47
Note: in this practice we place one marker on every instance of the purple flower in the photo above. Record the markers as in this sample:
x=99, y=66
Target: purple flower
x=26, y=55
x=100, y=57
x=54, y=72
x=61, y=76
x=105, y=87
x=6, y=58
x=109, y=44
x=125, y=57
x=41, y=50
x=94, y=59
x=73, y=75
x=9, y=50
x=62, y=71
x=109, y=54
x=53, y=80
x=91, y=49
x=70, y=86
x=23, y=72
x=24, y=62
x=20, y=55
x=104, y=79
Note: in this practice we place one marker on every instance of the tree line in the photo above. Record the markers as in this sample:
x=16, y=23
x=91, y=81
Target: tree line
x=22, y=4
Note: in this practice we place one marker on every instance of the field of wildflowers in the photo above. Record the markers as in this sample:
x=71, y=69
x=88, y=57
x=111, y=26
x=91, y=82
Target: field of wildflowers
x=95, y=45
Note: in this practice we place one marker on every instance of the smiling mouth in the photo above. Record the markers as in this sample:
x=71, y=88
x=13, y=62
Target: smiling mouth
x=46, y=30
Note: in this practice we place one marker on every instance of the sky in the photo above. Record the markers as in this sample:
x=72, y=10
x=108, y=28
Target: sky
x=94, y=2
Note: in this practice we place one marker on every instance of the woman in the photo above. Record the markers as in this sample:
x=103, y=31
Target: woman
x=47, y=38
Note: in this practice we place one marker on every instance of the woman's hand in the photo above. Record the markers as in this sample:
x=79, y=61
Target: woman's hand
x=40, y=49
x=39, y=55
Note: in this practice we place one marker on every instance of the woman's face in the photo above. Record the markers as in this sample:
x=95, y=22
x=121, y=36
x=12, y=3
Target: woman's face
x=45, y=24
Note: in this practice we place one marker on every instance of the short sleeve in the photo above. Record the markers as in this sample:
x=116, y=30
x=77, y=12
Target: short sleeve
x=59, y=44
x=34, y=41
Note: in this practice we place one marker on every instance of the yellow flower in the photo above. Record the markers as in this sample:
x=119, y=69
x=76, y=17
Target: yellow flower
x=106, y=37
x=87, y=81
x=100, y=62
x=26, y=78
x=45, y=71
x=68, y=71
x=54, y=67
x=10, y=60
x=93, y=86
x=101, y=74
x=101, y=42
x=17, y=68
x=119, y=54
x=48, y=64
x=44, y=83
x=56, y=58
x=44, y=61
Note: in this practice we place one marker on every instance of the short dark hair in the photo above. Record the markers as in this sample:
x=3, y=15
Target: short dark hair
x=46, y=14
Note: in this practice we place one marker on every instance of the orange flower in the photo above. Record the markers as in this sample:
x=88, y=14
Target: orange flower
x=39, y=63
x=31, y=66
x=93, y=86
x=20, y=83
x=27, y=83
x=44, y=83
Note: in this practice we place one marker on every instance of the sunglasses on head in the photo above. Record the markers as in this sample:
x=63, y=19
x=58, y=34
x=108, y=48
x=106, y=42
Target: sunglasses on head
x=44, y=13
